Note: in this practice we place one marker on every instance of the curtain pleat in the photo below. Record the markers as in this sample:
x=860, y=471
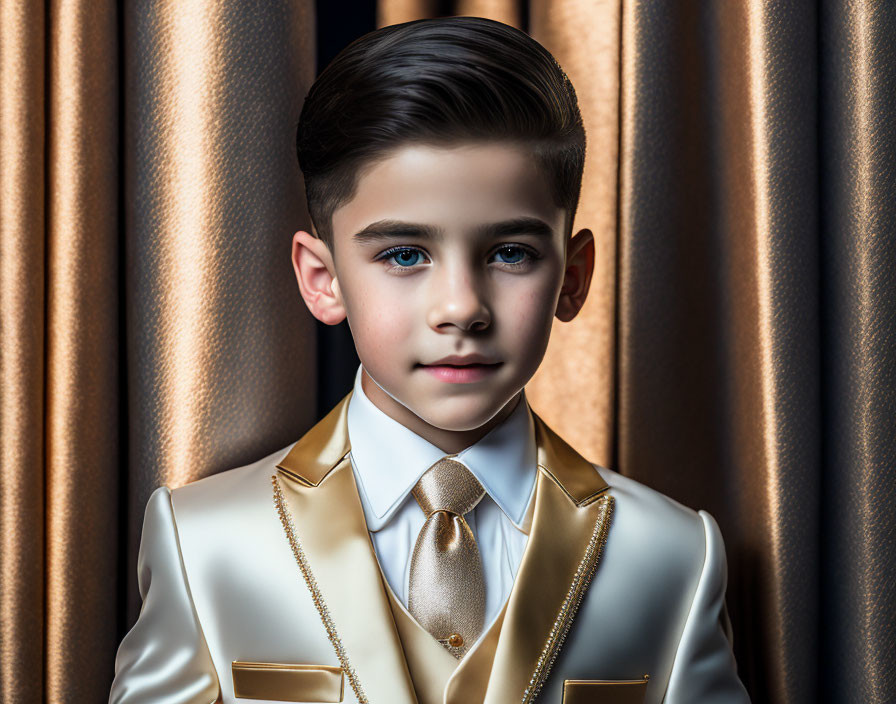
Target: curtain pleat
x=22, y=360
x=719, y=393
x=82, y=349
x=858, y=247
x=221, y=364
x=574, y=388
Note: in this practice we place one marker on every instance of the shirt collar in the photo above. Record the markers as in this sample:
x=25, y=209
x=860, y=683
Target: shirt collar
x=389, y=458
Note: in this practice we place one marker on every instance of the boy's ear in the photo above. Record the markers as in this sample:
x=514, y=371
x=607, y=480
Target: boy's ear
x=313, y=264
x=577, y=279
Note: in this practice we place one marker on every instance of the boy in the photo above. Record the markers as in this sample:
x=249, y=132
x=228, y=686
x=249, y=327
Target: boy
x=431, y=539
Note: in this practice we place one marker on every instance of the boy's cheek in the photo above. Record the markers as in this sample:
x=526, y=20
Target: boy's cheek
x=371, y=313
x=382, y=339
x=533, y=313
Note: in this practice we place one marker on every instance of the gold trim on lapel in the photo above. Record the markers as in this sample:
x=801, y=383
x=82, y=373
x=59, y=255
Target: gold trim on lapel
x=574, y=474
x=321, y=448
x=323, y=510
x=570, y=523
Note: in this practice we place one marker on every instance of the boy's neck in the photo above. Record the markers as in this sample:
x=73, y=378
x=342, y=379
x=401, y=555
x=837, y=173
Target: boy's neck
x=449, y=441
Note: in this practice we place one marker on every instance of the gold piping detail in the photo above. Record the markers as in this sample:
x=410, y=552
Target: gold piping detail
x=581, y=503
x=316, y=595
x=300, y=479
x=569, y=607
x=305, y=482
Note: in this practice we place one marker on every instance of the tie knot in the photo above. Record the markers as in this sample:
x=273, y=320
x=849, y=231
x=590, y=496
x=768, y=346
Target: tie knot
x=448, y=486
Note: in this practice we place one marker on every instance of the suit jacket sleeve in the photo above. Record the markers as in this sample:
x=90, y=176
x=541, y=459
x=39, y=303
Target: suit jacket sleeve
x=704, y=669
x=164, y=658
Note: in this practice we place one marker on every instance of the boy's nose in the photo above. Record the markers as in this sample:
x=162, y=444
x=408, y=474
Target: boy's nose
x=457, y=302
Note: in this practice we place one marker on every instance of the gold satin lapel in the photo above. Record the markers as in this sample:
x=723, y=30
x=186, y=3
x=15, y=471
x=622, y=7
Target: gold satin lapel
x=321, y=448
x=569, y=526
x=322, y=504
x=574, y=474
x=330, y=527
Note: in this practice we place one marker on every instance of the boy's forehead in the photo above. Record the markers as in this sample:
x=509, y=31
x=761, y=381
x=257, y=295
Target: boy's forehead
x=450, y=189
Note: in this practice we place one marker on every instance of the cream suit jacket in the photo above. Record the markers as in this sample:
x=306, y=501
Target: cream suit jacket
x=261, y=584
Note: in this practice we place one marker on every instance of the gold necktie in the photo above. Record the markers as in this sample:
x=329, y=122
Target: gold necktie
x=447, y=587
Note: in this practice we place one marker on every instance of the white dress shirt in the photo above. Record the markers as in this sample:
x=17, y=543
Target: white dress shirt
x=388, y=459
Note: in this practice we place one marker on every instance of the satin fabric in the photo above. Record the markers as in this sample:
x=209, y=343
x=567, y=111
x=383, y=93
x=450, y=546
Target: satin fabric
x=220, y=560
x=429, y=664
x=164, y=657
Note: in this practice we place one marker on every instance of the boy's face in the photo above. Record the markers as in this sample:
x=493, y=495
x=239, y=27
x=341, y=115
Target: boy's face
x=447, y=252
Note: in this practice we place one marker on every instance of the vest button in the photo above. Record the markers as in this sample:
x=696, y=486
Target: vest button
x=455, y=640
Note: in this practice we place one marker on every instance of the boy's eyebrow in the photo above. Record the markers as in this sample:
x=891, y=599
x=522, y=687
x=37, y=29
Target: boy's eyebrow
x=399, y=229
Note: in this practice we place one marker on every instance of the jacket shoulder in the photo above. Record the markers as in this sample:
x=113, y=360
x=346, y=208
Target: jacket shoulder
x=665, y=537
x=644, y=498
x=240, y=487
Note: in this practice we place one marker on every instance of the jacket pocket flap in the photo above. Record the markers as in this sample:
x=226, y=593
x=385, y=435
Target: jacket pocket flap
x=287, y=682
x=605, y=691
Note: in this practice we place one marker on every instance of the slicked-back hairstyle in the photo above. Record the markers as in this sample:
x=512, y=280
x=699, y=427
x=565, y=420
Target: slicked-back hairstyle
x=440, y=82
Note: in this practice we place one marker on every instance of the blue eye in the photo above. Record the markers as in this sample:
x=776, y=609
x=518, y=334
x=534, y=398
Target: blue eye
x=511, y=254
x=403, y=257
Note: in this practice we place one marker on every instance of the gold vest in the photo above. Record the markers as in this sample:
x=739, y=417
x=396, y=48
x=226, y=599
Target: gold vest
x=430, y=665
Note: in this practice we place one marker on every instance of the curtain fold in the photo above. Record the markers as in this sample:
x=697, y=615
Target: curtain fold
x=757, y=313
x=221, y=363
x=719, y=338
x=857, y=121
x=149, y=344
x=574, y=388
x=22, y=359
x=81, y=413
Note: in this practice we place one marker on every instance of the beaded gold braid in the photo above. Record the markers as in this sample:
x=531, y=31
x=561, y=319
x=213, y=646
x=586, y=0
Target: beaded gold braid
x=316, y=595
x=569, y=607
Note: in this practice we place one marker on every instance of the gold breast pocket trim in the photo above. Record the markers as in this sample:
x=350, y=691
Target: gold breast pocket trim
x=287, y=682
x=605, y=691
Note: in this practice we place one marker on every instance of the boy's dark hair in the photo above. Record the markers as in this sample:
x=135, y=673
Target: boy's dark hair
x=437, y=81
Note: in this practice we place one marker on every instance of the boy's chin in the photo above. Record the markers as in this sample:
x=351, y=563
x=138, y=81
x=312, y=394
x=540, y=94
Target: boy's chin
x=458, y=417
x=457, y=413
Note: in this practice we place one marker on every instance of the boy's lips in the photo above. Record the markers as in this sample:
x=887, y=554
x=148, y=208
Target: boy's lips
x=458, y=360
x=466, y=373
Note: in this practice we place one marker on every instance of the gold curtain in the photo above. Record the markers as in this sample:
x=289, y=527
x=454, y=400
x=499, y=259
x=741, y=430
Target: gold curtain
x=221, y=349
x=60, y=356
x=737, y=352
x=151, y=330
x=757, y=318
